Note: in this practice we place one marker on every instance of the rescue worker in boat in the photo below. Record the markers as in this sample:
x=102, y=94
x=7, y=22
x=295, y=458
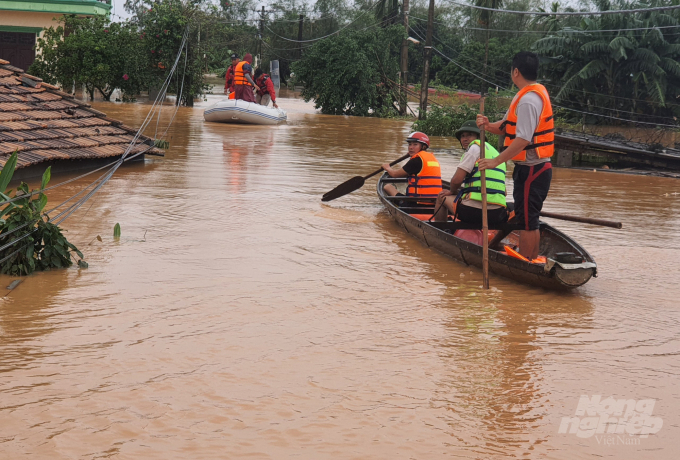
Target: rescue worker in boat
x=527, y=132
x=265, y=89
x=464, y=199
x=229, y=87
x=243, y=79
x=422, y=170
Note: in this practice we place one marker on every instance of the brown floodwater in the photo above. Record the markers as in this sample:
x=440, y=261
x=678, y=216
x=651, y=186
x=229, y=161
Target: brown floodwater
x=239, y=317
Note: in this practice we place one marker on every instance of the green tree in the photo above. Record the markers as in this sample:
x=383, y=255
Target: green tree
x=471, y=59
x=92, y=52
x=163, y=26
x=612, y=72
x=349, y=73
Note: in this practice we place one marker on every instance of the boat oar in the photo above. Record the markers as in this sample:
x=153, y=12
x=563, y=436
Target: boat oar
x=485, y=218
x=553, y=215
x=583, y=220
x=355, y=183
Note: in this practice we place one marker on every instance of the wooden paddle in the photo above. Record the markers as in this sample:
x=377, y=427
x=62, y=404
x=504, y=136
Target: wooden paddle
x=583, y=220
x=485, y=218
x=553, y=215
x=355, y=183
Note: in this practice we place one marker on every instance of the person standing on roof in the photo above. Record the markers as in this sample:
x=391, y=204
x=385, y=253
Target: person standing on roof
x=464, y=198
x=528, y=138
x=265, y=89
x=422, y=169
x=243, y=79
x=229, y=87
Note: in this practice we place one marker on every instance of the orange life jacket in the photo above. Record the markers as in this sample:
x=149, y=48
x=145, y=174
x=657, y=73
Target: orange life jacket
x=543, y=141
x=239, y=74
x=428, y=182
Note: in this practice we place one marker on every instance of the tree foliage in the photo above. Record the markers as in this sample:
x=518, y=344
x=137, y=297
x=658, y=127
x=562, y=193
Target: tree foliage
x=101, y=56
x=613, y=73
x=349, y=73
x=463, y=73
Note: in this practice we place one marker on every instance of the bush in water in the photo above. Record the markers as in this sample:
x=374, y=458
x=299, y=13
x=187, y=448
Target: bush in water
x=445, y=121
x=28, y=241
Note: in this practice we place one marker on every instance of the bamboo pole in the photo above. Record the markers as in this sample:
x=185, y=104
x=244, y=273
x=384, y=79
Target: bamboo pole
x=485, y=218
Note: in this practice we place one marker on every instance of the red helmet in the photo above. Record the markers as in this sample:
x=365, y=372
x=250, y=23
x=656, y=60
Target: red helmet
x=417, y=136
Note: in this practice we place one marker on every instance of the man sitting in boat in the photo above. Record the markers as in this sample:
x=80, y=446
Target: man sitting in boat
x=422, y=169
x=265, y=89
x=243, y=80
x=464, y=199
x=229, y=87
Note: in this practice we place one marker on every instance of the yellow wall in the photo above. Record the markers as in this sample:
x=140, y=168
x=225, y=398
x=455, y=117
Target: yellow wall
x=28, y=19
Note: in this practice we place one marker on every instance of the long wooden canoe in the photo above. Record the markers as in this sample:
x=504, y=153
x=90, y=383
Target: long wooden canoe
x=553, y=274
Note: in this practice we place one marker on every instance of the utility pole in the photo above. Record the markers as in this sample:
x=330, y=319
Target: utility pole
x=300, y=23
x=403, y=97
x=422, y=114
x=259, y=45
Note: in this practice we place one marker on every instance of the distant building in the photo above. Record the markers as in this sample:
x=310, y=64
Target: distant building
x=22, y=21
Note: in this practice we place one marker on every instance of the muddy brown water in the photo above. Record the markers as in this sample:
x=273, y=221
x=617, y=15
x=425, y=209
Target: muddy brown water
x=239, y=317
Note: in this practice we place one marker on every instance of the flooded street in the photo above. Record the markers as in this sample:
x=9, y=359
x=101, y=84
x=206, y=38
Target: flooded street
x=239, y=317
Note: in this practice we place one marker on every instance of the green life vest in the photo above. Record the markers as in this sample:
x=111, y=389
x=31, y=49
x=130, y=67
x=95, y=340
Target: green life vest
x=495, y=180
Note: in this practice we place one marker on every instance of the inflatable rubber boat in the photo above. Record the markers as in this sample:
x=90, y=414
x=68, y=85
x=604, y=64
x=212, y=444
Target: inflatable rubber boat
x=238, y=111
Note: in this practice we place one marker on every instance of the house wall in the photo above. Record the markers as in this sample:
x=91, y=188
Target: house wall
x=22, y=21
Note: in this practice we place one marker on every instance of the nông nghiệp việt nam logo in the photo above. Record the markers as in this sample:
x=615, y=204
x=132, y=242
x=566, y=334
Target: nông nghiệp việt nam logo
x=615, y=417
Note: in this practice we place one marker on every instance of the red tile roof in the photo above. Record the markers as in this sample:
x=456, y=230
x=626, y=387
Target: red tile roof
x=44, y=123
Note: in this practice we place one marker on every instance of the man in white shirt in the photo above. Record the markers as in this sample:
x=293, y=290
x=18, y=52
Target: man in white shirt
x=463, y=199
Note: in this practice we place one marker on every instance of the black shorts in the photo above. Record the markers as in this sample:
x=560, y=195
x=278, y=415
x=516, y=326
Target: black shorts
x=532, y=184
x=473, y=215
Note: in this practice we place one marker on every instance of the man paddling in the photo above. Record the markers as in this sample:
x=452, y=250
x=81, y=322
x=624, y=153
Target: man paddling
x=229, y=87
x=243, y=80
x=422, y=169
x=464, y=198
x=528, y=139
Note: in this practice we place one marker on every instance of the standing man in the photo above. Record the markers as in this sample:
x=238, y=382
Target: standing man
x=265, y=89
x=229, y=87
x=528, y=139
x=422, y=169
x=243, y=80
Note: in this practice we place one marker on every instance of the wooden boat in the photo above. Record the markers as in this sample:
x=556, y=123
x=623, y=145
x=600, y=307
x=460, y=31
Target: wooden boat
x=446, y=237
x=238, y=111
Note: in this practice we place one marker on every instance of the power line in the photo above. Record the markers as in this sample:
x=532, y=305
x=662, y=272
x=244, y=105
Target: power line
x=550, y=32
x=652, y=103
x=333, y=33
x=554, y=105
x=568, y=13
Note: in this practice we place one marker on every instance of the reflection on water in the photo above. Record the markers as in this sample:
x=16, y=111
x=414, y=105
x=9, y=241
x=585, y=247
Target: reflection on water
x=239, y=317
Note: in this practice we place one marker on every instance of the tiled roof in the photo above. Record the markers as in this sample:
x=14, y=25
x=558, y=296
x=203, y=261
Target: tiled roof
x=44, y=123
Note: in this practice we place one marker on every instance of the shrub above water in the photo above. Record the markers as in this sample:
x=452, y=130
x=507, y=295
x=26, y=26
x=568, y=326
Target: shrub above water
x=28, y=242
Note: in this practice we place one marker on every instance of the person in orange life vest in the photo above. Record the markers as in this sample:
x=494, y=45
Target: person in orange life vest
x=243, y=79
x=229, y=87
x=265, y=89
x=527, y=138
x=422, y=169
x=457, y=200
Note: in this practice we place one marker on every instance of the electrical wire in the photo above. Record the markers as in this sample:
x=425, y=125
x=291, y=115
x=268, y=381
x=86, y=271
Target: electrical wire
x=554, y=105
x=331, y=34
x=99, y=182
x=568, y=13
x=653, y=103
x=544, y=32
